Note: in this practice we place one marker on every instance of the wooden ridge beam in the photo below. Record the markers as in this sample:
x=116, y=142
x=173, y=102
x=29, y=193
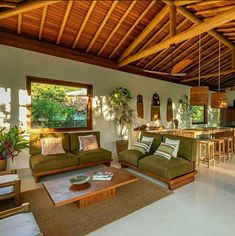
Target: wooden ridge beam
x=210, y=24
x=111, y=9
x=19, y=23
x=26, y=6
x=203, y=3
x=117, y=26
x=43, y=19
x=65, y=19
x=182, y=2
x=213, y=10
x=145, y=32
x=84, y=23
x=132, y=27
x=212, y=32
x=172, y=10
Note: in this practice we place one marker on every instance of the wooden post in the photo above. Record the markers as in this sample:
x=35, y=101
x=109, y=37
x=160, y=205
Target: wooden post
x=172, y=19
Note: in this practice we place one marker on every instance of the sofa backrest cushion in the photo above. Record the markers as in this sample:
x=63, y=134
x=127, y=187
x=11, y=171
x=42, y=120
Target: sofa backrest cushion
x=187, y=148
x=156, y=142
x=35, y=143
x=74, y=143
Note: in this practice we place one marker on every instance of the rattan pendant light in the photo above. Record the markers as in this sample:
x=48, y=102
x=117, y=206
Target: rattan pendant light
x=199, y=94
x=219, y=99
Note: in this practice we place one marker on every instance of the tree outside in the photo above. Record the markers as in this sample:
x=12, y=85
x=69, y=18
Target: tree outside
x=56, y=106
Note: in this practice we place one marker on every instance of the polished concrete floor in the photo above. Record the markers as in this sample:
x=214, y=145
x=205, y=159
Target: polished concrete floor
x=204, y=207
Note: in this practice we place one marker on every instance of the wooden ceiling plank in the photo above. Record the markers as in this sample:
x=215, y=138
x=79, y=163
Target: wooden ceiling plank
x=65, y=19
x=213, y=10
x=132, y=27
x=210, y=24
x=231, y=34
x=163, y=51
x=145, y=32
x=223, y=30
x=203, y=3
x=43, y=19
x=182, y=2
x=117, y=26
x=111, y=9
x=212, y=32
x=26, y=6
x=233, y=58
x=84, y=23
x=19, y=23
x=7, y=4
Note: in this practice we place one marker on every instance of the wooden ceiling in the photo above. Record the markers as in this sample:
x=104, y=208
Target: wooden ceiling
x=128, y=35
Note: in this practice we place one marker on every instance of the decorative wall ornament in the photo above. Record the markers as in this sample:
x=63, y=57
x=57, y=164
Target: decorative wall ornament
x=169, y=110
x=140, y=106
x=155, y=108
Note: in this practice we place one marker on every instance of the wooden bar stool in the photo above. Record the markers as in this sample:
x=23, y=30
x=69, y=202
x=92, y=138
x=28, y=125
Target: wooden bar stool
x=228, y=141
x=219, y=149
x=206, y=152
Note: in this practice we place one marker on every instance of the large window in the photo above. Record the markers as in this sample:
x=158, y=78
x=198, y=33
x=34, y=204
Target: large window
x=199, y=114
x=59, y=105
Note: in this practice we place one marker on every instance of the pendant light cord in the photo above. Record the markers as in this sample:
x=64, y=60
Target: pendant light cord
x=199, y=61
x=219, y=66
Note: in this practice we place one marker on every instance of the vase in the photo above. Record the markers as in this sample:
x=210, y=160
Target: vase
x=3, y=165
x=121, y=145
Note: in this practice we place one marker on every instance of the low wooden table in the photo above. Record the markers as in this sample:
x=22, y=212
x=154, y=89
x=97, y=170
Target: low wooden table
x=62, y=192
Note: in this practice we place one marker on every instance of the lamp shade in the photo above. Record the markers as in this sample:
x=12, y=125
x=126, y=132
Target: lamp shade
x=219, y=100
x=199, y=96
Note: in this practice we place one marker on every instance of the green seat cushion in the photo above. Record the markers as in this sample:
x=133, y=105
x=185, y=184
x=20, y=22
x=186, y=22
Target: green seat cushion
x=88, y=156
x=131, y=156
x=40, y=163
x=166, y=168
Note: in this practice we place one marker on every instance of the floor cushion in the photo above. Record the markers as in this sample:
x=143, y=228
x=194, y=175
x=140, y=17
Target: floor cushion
x=41, y=163
x=131, y=156
x=6, y=179
x=23, y=224
x=166, y=168
x=99, y=154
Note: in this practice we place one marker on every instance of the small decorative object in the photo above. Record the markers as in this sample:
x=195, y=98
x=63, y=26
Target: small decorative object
x=11, y=144
x=169, y=111
x=79, y=180
x=140, y=106
x=199, y=94
x=123, y=114
x=102, y=175
x=176, y=123
x=155, y=107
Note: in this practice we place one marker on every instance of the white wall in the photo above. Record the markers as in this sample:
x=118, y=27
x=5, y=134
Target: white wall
x=16, y=64
x=231, y=97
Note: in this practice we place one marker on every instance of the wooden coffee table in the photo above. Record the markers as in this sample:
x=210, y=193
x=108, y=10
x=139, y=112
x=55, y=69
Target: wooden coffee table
x=62, y=192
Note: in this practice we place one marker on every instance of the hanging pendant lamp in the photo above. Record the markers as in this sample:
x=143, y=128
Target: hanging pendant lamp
x=219, y=99
x=199, y=94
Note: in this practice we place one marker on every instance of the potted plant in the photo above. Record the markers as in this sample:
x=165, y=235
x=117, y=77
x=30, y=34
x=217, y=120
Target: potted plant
x=122, y=113
x=11, y=144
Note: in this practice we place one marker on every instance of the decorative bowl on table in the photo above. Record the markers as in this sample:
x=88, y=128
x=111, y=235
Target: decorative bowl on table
x=82, y=179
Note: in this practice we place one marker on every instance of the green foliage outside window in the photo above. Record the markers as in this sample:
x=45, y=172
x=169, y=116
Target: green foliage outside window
x=198, y=114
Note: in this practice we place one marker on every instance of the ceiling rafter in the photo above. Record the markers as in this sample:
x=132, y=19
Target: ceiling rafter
x=145, y=32
x=111, y=9
x=42, y=23
x=117, y=26
x=65, y=19
x=90, y=10
x=4, y=4
x=132, y=27
x=203, y=3
x=26, y=6
x=208, y=25
x=19, y=23
x=214, y=11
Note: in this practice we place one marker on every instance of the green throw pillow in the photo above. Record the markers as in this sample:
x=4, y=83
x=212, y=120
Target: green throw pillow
x=165, y=150
x=141, y=146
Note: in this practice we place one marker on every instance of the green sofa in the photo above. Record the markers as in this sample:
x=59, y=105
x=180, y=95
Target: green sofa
x=175, y=172
x=72, y=159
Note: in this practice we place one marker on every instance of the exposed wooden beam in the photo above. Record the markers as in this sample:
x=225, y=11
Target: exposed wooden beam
x=111, y=9
x=26, y=6
x=145, y=32
x=132, y=27
x=44, y=14
x=212, y=32
x=57, y=51
x=213, y=11
x=233, y=58
x=203, y=3
x=225, y=72
x=84, y=23
x=223, y=30
x=182, y=2
x=172, y=9
x=7, y=4
x=211, y=23
x=230, y=34
x=19, y=23
x=117, y=26
x=65, y=19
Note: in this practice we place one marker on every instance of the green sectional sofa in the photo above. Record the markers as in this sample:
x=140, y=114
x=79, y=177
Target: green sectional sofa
x=176, y=172
x=73, y=158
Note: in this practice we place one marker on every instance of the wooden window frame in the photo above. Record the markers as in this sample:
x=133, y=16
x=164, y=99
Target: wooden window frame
x=205, y=118
x=89, y=87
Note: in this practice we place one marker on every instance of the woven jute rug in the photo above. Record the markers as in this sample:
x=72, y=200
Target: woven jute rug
x=69, y=220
